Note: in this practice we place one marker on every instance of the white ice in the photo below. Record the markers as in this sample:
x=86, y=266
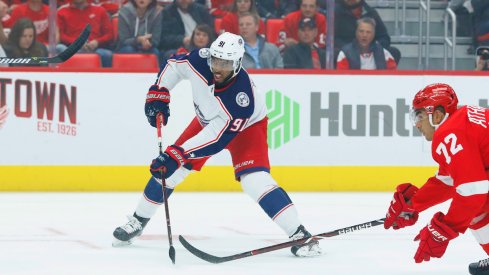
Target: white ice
x=71, y=233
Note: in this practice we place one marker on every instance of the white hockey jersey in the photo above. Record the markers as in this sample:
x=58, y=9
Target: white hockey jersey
x=224, y=112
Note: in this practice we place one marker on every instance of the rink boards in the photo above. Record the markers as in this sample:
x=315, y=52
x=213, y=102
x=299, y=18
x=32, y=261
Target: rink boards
x=71, y=131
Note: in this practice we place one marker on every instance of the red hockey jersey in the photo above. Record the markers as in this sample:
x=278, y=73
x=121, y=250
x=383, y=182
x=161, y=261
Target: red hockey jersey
x=461, y=148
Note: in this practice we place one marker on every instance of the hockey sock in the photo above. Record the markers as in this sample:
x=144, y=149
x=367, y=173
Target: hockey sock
x=152, y=198
x=153, y=193
x=272, y=199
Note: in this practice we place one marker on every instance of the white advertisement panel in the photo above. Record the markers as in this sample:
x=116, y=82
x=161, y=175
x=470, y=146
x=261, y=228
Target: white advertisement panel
x=315, y=120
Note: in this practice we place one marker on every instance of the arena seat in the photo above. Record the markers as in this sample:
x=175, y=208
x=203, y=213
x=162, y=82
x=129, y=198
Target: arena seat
x=138, y=61
x=82, y=61
x=275, y=31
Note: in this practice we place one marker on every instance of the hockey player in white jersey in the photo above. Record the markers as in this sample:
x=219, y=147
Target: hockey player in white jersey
x=229, y=115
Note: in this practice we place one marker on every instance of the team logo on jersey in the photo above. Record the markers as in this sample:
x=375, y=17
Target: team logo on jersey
x=204, y=52
x=242, y=99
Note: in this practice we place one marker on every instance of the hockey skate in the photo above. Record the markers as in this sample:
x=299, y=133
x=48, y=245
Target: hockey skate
x=124, y=235
x=308, y=249
x=479, y=268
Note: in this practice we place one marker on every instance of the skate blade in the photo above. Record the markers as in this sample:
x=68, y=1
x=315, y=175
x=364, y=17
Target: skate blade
x=119, y=243
x=309, y=251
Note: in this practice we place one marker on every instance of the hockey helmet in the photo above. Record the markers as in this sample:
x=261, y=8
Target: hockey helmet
x=227, y=52
x=432, y=96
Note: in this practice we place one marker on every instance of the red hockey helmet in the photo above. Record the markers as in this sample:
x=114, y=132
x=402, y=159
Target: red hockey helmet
x=434, y=95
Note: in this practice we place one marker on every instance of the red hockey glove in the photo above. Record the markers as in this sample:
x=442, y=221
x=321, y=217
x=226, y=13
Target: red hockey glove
x=169, y=161
x=400, y=214
x=433, y=239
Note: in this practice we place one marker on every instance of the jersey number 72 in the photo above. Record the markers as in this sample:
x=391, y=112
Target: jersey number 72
x=451, y=140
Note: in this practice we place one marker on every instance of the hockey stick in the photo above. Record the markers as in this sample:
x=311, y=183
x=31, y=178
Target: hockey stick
x=216, y=260
x=159, y=122
x=62, y=57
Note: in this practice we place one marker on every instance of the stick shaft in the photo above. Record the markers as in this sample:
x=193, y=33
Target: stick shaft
x=215, y=259
x=159, y=122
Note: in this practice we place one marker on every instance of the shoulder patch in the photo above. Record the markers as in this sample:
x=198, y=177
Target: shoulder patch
x=242, y=99
x=204, y=52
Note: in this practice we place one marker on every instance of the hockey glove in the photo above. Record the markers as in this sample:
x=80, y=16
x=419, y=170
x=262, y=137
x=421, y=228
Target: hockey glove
x=169, y=161
x=433, y=239
x=157, y=101
x=400, y=213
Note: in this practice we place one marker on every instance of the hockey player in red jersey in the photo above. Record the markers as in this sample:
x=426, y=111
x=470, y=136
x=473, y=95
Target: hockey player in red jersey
x=230, y=114
x=460, y=146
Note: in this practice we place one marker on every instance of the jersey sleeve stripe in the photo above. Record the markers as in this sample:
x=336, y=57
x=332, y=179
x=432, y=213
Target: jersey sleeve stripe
x=191, y=67
x=161, y=75
x=445, y=179
x=221, y=132
x=473, y=188
x=224, y=108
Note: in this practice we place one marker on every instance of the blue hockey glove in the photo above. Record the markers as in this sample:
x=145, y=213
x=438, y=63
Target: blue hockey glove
x=169, y=161
x=157, y=101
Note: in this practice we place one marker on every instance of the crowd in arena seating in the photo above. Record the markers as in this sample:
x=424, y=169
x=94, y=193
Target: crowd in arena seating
x=278, y=33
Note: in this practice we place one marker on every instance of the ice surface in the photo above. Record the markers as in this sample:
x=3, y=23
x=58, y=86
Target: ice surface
x=71, y=233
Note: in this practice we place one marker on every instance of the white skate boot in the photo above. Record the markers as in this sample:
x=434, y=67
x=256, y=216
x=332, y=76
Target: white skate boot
x=124, y=235
x=308, y=249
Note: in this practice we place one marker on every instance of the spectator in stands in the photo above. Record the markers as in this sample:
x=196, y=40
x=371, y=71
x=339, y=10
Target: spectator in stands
x=482, y=59
x=276, y=9
x=12, y=4
x=464, y=17
x=346, y=15
x=3, y=12
x=259, y=54
x=481, y=22
x=139, y=27
x=305, y=54
x=22, y=41
x=364, y=53
x=178, y=22
x=73, y=18
x=111, y=6
x=37, y=12
x=230, y=21
x=220, y=8
x=202, y=37
x=308, y=9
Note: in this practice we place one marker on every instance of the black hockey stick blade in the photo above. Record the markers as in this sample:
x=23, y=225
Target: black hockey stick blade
x=62, y=57
x=216, y=260
x=172, y=254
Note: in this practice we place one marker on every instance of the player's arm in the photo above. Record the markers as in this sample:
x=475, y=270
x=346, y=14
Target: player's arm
x=436, y=190
x=215, y=136
x=408, y=201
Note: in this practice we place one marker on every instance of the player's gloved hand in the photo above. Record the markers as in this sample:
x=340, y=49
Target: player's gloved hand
x=433, y=239
x=400, y=213
x=157, y=101
x=169, y=161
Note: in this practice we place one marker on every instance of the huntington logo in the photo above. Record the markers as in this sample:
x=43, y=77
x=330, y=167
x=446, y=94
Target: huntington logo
x=283, y=119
